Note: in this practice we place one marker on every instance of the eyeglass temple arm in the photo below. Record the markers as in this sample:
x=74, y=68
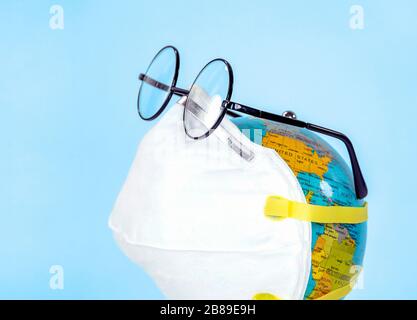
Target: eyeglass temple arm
x=175, y=90
x=358, y=179
x=360, y=186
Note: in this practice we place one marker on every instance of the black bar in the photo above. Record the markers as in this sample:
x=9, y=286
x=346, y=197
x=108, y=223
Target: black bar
x=202, y=309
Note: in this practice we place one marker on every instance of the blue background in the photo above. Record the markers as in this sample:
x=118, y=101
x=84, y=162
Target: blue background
x=69, y=127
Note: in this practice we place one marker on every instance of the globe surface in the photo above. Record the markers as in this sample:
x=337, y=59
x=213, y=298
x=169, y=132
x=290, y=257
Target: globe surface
x=337, y=249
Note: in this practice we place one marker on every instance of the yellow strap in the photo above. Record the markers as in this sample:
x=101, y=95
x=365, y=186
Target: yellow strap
x=337, y=294
x=265, y=296
x=333, y=295
x=280, y=207
x=341, y=292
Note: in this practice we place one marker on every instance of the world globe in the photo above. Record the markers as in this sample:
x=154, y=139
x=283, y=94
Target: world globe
x=337, y=250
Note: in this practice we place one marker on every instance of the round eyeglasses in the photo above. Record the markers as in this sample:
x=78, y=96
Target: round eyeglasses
x=209, y=99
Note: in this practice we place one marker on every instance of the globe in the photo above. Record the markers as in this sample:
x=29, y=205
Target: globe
x=337, y=250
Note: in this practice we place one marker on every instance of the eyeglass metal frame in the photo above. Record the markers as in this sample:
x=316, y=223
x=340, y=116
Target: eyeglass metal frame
x=230, y=108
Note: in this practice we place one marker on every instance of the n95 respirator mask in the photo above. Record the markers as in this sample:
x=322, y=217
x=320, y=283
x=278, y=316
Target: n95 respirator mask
x=191, y=213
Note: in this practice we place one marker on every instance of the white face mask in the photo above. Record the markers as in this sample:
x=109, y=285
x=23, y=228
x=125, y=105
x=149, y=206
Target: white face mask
x=191, y=213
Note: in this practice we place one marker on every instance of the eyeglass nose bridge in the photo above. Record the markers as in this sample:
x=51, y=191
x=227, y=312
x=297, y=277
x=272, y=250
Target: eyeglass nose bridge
x=162, y=86
x=179, y=91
